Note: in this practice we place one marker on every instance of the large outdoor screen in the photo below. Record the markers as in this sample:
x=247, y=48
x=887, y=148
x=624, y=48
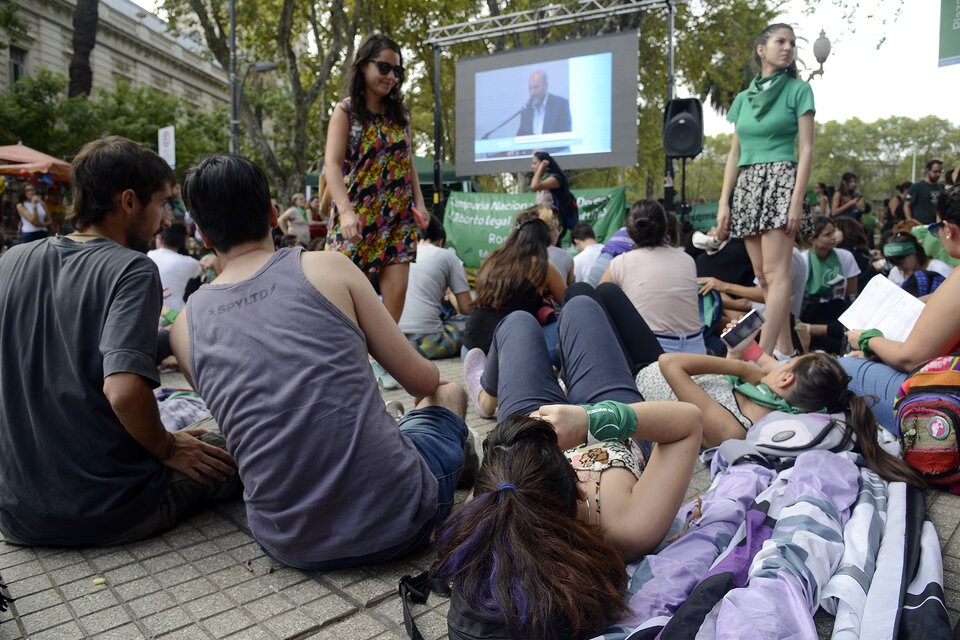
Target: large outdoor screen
x=577, y=100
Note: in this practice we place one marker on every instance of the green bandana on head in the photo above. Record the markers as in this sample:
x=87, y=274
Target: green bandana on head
x=897, y=249
x=764, y=396
x=763, y=92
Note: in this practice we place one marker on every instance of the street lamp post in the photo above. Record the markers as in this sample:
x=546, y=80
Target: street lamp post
x=235, y=91
x=821, y=51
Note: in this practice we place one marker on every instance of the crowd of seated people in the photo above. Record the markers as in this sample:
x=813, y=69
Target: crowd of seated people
x=601, y=384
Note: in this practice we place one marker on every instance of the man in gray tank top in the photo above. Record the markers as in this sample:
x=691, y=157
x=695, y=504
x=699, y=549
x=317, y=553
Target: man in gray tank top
x=277, y=346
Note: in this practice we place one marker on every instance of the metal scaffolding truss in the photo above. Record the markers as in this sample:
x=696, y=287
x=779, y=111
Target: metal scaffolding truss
x=533, y=19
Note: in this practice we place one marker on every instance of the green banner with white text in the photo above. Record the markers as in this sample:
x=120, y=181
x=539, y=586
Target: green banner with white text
x=949, y=32
x=478, y=223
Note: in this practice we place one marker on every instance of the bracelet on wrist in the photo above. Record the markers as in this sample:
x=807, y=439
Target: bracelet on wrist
x=864, y=341
x=173, y=446
x=611, y=420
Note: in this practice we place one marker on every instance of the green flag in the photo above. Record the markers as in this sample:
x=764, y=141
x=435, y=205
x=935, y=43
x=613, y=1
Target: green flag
x=949, y=32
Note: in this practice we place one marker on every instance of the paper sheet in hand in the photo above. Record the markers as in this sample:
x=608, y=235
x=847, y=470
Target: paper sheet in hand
x=885, y=306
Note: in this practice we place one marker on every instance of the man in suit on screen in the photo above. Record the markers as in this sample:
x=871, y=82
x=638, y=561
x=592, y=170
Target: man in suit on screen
x=544, y=112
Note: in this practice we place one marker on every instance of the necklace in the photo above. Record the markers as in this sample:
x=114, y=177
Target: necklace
x=87, y=235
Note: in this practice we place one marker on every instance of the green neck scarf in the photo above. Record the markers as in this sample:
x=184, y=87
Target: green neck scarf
x=763, y=92
x=303, y=212
x=824, y=274
x=762, y=395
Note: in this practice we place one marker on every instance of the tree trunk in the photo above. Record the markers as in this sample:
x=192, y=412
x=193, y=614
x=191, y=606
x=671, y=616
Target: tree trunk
x=84, y=38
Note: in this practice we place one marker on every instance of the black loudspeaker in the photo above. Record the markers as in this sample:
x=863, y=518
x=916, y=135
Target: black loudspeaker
x=683, y=128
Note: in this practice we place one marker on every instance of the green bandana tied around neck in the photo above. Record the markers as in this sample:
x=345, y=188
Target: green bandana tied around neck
x=896, y=249
x=763, y=92
x=764, y=396
x=303, y=212
x=824, y=274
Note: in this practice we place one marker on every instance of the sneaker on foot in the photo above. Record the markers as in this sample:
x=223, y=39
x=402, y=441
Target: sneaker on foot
x=387, y=381
x=473, y=365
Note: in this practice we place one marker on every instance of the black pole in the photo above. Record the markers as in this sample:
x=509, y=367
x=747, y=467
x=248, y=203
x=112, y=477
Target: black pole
x=437, y=135
x=669, y=172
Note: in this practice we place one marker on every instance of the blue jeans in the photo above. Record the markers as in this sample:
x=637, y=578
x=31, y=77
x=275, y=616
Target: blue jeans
x=519, y=373
x=439, y=436
x=871, y=378
x=692, y=343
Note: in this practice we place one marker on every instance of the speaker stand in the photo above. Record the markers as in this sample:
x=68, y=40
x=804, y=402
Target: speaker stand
x=684, y=207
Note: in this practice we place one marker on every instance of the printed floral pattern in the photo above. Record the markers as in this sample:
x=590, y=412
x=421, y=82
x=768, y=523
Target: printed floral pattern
x=376, y=169
x=761, y=200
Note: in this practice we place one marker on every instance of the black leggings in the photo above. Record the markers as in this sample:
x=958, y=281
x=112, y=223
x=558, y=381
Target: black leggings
x=636, y=339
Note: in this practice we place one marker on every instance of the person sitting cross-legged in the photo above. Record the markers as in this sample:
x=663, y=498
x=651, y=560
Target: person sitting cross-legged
x=330, y=479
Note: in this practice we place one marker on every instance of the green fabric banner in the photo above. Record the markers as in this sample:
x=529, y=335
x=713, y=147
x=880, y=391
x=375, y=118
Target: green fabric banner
x=949, y=32
x=478, y=223
x=703, y=216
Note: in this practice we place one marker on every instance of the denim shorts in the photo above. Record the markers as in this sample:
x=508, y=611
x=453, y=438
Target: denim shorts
x=439, y=436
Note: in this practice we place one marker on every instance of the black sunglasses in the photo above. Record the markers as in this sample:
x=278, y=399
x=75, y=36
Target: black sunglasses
x=385, y=67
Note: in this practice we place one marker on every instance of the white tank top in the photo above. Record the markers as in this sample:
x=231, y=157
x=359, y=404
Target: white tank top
x=41, y=214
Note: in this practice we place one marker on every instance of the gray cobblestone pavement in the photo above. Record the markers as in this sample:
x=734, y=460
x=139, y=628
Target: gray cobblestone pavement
x=206, y=578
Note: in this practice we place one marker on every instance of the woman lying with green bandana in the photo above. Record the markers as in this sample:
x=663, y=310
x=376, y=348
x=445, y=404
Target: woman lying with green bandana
x=832, y=275
x=733, y=394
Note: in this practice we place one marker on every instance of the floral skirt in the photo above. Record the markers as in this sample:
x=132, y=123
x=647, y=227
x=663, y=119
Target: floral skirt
x=761, y=200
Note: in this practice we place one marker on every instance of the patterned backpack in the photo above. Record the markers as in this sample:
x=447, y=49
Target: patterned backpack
x=928, y=416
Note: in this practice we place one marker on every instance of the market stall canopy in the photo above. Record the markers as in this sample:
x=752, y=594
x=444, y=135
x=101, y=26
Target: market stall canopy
x=16, y=159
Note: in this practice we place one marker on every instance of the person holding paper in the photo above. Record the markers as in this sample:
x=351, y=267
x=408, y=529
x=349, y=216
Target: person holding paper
x=880, y=365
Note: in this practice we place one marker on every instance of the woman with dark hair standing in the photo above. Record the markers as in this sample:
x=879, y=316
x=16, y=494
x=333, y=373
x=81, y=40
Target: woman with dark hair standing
x=32, y=214
x=553, y=190
x=660, y=280
x=847, y=200
x=772, y=116
x=370, y=174
x=822, y=208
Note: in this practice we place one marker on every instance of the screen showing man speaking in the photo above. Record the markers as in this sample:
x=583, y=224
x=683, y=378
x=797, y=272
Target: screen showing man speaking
x=575, y=100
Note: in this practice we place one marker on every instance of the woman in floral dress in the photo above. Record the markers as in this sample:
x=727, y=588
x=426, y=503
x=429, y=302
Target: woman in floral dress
x=369, y=168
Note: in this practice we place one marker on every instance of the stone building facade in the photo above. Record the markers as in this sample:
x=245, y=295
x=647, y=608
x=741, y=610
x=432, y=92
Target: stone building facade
x=132, y=44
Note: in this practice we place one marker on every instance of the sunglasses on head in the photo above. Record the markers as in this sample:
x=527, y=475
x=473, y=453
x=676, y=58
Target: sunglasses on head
x=935, y=227
x=385, y=67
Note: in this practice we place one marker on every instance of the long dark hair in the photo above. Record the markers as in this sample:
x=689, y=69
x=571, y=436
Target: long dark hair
x=393, y=106
x=854, y=234
x=822, y=383
x=849, y=175
x=519, y=263
x=764, y=37
x=519, y=557
x=948, y=204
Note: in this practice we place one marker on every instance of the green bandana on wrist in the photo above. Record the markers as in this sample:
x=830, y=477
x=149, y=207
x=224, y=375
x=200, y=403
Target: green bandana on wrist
x=763, y=92
x=864, y=341
x=896, y=249
x=611, y=420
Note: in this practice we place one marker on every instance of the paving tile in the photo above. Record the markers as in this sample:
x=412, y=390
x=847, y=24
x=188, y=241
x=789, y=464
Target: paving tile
x=12, y=555
x=201, y=550
x=10, y=631
x=267, y=606
x=29, y=585
x=125, y=574
x=112, y=560
x=214, y=563
x=192, y=590
x=36, y=602
x=329, y=608
x=230, y=576
x=79, y=571
x=148, y=548
x=371, y=590
x=245, y=552
x=176, y=575
x=159, y=601
x=253, y=589
x=61, y=557
x=230, y=622
x=46, y=619
x=217, y=528
x=232, y=540
x=357, y=627
x=104, y=620
x=68, y=631
x=169, y=620
x=302, y=592
x=182, y=537
x=291, y=623
x=278, y=575
x=207, y=606
x=93, y=601
x=21, y=571
x=162, y=562
x=432, y=624
x=126, y=632
x=132, y=590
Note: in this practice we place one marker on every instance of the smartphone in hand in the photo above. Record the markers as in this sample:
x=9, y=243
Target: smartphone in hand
x=747, y=325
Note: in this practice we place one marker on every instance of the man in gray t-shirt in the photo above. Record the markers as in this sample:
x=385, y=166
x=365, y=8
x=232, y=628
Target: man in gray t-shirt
x=84, y=458
x=435, y=271
x=921, y=201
